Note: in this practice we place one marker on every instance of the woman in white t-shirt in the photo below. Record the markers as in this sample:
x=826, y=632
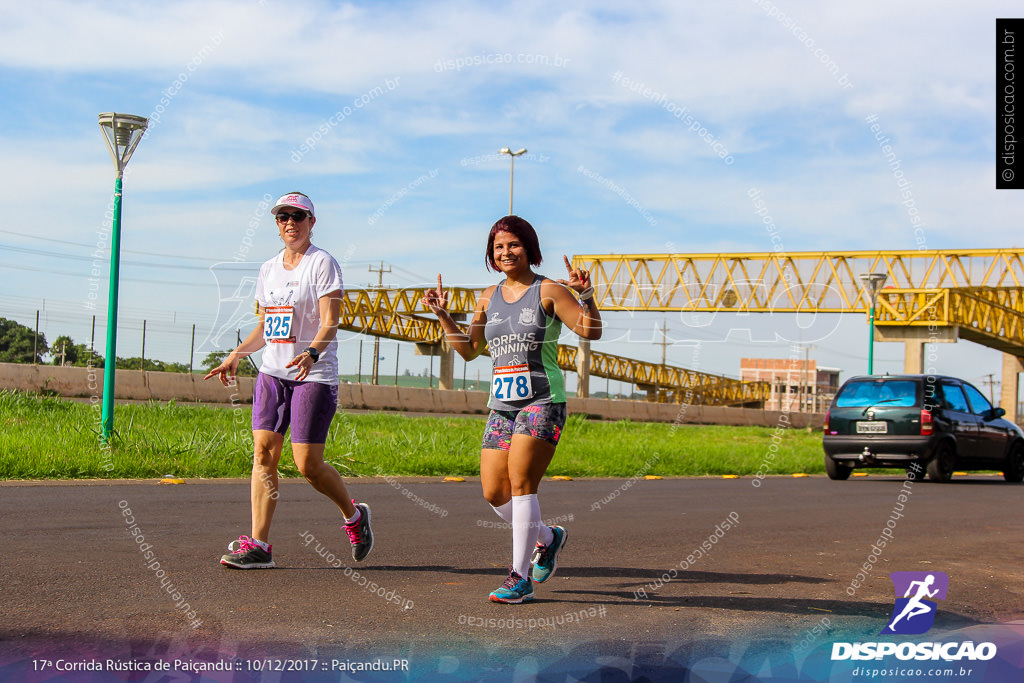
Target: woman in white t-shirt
x=298, y=294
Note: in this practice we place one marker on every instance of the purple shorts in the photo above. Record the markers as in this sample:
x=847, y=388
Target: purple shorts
x=542, y=421
x=308, y=407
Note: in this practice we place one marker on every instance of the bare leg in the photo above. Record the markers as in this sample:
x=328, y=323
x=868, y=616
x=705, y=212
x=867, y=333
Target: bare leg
x=263, y=486
x=309, y=458
x=528, y=460
x=494, y=476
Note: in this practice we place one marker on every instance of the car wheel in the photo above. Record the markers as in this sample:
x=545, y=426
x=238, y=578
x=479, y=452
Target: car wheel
x=940, y=467
x=835, y=470
x=915, y=472
x=1015, y=464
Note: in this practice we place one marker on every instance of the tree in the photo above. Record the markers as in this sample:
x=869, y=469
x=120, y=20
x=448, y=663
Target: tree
x=64, y=348
x=17, y=343
x=135, y=363
x=215, y=358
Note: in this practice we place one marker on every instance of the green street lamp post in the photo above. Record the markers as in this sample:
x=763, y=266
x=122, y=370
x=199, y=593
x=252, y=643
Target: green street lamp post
x=872, y=282
x=122, y=132
x=511, y=171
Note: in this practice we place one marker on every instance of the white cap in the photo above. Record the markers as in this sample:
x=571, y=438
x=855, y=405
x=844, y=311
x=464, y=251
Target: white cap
x=294, y=200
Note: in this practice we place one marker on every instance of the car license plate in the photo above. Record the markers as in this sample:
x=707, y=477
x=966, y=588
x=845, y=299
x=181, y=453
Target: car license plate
x=877, y=427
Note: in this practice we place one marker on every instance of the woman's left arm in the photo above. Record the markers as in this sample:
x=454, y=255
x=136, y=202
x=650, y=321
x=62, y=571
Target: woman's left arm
x=582, y=317
x=330, y=314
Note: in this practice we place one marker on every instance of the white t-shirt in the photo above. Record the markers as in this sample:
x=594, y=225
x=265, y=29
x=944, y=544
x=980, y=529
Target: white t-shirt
x=290, y=302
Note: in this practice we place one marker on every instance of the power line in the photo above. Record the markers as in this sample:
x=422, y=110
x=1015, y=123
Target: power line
x=51, y=240
x=126, y=262
x=49, y=271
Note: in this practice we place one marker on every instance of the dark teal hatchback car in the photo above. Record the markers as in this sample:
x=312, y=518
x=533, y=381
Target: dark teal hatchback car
x=935, y=422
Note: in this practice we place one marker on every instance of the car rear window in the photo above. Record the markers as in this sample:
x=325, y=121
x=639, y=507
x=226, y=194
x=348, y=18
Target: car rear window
x=896, y=393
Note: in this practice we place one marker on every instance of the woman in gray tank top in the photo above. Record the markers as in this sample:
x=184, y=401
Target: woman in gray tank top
x=518, y=321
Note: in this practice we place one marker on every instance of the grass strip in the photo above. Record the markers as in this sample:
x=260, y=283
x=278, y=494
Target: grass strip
x=46, y=437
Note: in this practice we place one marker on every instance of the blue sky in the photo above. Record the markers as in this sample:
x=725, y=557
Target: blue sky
x=404, y=105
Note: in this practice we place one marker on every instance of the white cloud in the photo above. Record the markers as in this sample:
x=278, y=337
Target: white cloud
x=264, y=78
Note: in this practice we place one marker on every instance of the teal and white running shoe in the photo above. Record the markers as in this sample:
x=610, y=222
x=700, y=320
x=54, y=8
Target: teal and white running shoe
x=545, y=557
x=514, y=590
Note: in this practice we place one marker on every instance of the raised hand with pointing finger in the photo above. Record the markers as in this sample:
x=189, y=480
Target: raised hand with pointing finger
x=436, y=299
x=579, y=279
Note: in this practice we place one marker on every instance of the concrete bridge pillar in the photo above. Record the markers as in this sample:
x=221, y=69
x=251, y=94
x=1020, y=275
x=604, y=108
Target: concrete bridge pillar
x=913, y=357
x=1012, y=367
x=446, y=374
x=446, y=379
x=583, y=369
x=914, y=339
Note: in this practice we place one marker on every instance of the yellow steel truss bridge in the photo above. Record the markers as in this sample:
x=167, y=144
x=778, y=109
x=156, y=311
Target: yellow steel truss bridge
x=976, y=294
x=398, y=314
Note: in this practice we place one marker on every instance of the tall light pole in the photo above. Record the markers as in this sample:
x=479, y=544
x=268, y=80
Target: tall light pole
x=122, y=133
x=872, y=282
x=511, y=171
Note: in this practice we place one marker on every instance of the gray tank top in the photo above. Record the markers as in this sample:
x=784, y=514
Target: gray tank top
x=523, y=342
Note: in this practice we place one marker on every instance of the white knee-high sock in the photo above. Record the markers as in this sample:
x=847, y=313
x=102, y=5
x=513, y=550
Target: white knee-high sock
x=504, y=511
x=546, y=535
x=526, y=528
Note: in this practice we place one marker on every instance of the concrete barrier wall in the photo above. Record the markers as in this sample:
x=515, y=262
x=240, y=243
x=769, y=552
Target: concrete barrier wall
x=164, y=386
x=134, y=385
x=641, y=411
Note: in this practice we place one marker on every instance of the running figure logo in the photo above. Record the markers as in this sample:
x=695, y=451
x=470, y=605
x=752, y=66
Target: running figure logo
x=237, y=290
x=913, y=614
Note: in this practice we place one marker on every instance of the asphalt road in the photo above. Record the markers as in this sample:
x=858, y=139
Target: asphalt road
x=76, y=587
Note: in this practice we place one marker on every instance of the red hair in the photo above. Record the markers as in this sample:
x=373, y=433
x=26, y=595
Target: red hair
x=522, y=229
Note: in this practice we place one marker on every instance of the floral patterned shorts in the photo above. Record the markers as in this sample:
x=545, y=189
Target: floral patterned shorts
x=541, y=421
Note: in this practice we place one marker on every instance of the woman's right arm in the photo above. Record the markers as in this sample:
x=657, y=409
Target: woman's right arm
x=251, y=344
x=468, y=343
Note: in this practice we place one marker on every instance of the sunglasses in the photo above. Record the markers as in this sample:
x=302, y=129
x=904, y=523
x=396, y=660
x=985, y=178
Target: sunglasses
x=298, y=216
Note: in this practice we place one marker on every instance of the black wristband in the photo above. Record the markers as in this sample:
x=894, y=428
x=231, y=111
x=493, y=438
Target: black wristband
x=313, y=353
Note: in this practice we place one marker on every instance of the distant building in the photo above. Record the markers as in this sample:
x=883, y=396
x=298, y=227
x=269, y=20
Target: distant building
x=797, y=386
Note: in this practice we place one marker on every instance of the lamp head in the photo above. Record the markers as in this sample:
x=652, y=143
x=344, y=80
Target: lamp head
x=873, y=281
x=123, y=132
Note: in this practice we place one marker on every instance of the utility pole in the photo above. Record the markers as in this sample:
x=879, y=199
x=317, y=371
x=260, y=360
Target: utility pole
x=376, y=339
x=989, y=379
x=664, y=340
x=807, y=384
x=92, y=341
